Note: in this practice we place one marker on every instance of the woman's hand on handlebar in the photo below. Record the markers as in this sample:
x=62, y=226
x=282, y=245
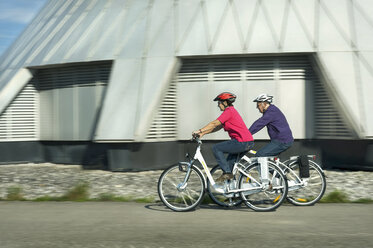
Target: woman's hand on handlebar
x=197, y=137
x=197, y=134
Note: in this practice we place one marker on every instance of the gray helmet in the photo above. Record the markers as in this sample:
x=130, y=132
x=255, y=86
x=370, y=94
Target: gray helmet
x=263, y=98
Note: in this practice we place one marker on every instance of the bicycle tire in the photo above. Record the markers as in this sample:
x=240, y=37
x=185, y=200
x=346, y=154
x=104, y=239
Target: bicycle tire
x=313, y=192
x=267, y=199
x=176, y=199
x=224, y=200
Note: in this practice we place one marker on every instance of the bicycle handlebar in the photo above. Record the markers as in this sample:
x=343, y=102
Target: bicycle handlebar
x=196, y=138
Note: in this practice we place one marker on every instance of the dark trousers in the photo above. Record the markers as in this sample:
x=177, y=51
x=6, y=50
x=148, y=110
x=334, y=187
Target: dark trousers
x=232, y=148
x=273, y=148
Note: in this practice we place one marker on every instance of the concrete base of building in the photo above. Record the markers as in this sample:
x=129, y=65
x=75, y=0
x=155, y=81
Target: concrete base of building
x=331, y=154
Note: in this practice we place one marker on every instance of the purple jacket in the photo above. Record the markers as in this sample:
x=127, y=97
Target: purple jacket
x=277, y=125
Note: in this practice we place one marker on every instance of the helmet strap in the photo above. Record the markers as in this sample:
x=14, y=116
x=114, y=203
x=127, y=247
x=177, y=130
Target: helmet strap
x=225, y=104
x=266, y=106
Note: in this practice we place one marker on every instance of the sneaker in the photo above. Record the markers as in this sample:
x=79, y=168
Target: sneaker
x=225, y=176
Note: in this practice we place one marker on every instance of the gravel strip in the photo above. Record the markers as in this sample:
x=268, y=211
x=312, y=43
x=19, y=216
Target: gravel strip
x=37, y=180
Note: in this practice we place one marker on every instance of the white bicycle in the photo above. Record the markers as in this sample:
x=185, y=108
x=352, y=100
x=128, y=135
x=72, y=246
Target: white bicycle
x=181, y=187
x=302, y=191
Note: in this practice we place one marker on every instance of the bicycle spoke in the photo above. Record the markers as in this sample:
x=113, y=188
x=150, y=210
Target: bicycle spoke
x=188, y=193
x=266, y=194
x=315, y=184
x=182, y=196
x=172, y=182
x=311, y=191
x=192, y=191
x=273, y=176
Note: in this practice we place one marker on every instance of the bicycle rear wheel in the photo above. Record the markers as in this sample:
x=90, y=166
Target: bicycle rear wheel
x=185, y=198
x=225, y=200
x=263, y=199
x=310, y=193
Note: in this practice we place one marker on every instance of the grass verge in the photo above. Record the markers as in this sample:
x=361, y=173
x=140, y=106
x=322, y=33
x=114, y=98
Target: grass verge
x=14, y=194
x=80, y=193
x=338, y=196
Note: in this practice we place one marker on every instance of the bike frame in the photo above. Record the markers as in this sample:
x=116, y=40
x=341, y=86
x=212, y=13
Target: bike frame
x=198, y=156
x=286, y=165
x=291, y=184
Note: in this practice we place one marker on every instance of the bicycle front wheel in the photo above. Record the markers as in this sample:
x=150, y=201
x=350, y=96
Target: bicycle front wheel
x=225, y=200
x=263, y=198
x=176, y=195
x=311, y=190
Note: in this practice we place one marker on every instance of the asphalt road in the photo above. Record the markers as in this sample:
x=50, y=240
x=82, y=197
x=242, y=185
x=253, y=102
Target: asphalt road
x=135, y=225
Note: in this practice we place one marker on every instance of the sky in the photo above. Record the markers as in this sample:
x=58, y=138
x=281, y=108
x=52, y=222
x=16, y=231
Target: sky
x=15, y=15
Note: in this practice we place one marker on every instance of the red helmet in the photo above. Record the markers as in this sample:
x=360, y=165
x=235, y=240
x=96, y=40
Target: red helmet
x=226, y=96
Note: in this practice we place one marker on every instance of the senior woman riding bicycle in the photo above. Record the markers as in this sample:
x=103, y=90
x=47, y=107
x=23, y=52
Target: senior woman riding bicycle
x=241, y=138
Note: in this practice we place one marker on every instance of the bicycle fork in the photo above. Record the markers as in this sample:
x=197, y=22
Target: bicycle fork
x=181, y=186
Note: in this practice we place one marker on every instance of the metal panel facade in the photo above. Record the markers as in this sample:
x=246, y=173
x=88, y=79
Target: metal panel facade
x=153, y=35
x=20, y=121
x=70, y=99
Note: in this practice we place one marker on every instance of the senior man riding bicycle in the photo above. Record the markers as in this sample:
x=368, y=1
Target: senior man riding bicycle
x=241, y=138
x=277, y=127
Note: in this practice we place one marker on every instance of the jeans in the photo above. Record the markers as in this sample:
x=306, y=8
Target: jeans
x=232, y=147
x=274, y=148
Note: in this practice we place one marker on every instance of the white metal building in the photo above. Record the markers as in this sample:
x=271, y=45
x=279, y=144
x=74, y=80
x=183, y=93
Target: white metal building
x=133, y=78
